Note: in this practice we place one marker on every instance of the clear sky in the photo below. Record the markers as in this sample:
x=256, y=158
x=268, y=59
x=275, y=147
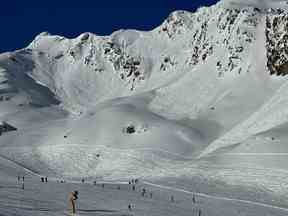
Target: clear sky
x=21, y=21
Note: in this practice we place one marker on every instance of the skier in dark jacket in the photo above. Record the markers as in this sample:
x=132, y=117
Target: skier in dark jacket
x=143, y=192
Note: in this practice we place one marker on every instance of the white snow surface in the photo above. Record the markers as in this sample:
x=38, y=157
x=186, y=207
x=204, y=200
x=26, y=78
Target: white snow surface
x=51, y=198
x=193, y=99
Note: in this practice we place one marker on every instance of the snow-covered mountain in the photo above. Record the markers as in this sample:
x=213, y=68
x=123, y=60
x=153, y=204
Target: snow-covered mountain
x=201, y=85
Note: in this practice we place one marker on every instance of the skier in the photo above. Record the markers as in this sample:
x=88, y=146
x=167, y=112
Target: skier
x=23, y=186
x=133, y=188
x=143, y=192
x=42, y=179
x=193, y=199
x=46, y=179
x=73, y=196
x=130, y=207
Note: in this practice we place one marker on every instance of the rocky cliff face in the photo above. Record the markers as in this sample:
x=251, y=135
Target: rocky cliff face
x=277, y=38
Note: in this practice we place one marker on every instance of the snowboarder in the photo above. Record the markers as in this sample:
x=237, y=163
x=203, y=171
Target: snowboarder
x=46, y=179
x=42, y=179
x=73, y=196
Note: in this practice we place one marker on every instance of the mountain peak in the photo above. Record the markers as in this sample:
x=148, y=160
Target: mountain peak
x=264, y=5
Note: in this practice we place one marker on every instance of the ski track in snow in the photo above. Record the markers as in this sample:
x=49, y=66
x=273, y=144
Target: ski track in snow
x=215, y=197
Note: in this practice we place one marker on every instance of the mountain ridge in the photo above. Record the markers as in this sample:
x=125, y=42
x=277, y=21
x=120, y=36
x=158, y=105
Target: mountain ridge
x=218, y=72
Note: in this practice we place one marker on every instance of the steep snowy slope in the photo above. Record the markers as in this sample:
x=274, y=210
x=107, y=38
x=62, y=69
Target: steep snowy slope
x=116, y=137
x=17, y=88
x=132, y=101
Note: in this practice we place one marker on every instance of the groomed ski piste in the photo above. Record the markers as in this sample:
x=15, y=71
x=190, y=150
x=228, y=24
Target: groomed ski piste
x=196, y=109
x=113, y=198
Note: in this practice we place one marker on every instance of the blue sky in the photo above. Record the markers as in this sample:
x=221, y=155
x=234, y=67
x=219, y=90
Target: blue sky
x=21, y=21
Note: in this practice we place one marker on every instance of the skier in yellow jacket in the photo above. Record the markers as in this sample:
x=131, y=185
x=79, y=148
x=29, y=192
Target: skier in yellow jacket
x=73, y=196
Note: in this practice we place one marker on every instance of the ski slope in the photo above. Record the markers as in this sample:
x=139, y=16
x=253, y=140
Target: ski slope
x=51, y=198
x=202, y=98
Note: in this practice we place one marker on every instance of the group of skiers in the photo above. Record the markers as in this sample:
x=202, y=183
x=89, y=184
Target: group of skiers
x=133, y=181
x=73, y=196
x=44, y=179
x=19, y=178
